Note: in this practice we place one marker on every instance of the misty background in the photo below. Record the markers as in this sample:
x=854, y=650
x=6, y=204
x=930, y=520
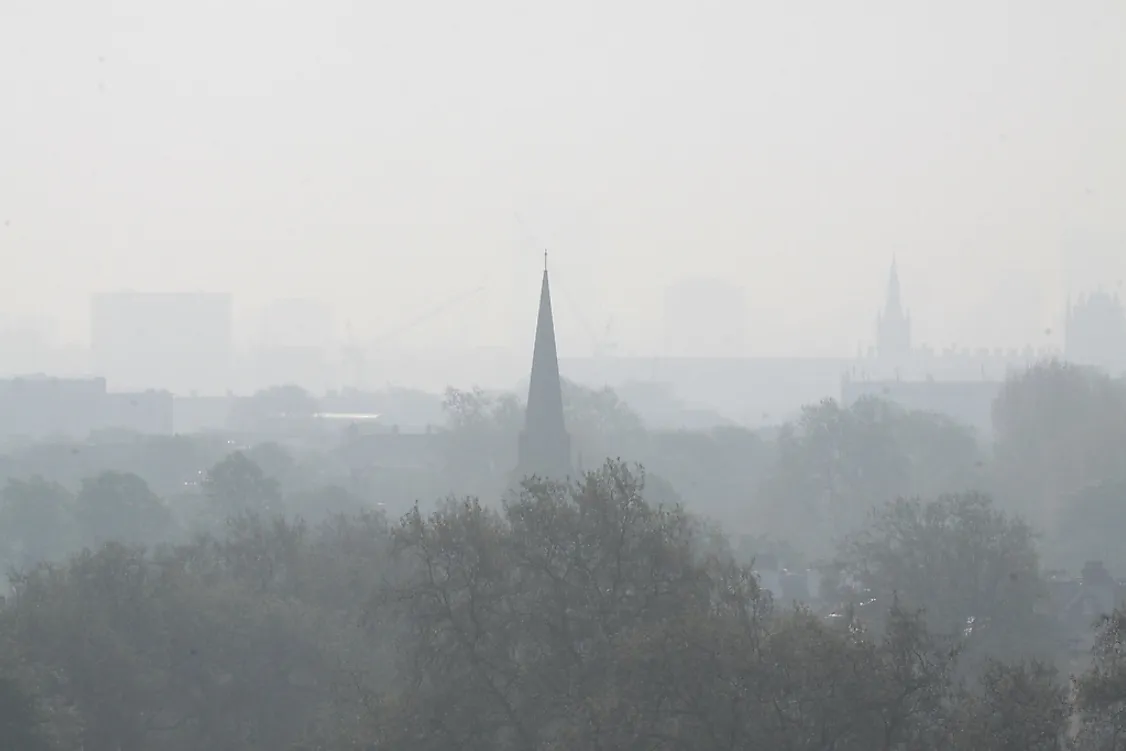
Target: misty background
x=535, y=376
x=385, y=159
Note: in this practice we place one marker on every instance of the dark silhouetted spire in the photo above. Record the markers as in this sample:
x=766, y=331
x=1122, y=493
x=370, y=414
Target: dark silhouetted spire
x=545, y=447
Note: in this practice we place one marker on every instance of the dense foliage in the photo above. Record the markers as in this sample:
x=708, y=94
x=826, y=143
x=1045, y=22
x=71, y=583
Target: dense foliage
x=570, y=617
x=268, y=601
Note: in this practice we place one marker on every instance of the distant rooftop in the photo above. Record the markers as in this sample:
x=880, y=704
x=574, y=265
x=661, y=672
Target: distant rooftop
x=348, y=416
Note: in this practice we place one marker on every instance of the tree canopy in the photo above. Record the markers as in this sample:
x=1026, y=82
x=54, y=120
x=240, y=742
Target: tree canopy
x=203, y=593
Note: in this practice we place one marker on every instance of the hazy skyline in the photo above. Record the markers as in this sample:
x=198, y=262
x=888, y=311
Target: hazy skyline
x=378, y=156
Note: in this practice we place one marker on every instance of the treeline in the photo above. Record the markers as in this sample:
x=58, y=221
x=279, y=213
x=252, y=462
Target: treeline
x=571, y=617
x=187, y=595
x=1056, y=457
x=44, y=520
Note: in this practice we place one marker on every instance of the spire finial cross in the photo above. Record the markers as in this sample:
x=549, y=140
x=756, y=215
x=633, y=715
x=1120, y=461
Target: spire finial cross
x=545, y=259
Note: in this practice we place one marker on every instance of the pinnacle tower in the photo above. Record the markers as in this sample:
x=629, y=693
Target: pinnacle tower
x=545, y=447
x=893, y=325
x=893, y=301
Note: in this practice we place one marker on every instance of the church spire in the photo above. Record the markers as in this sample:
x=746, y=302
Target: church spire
x=893, y=325
x=545, y=447
x=893, y=300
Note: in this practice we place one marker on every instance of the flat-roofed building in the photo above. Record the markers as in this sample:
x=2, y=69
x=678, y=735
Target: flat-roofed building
x=40, y=407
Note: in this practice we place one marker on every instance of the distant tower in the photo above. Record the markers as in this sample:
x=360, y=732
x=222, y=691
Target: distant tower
x=1095, y=332
x=893, y=325
x=545, y=447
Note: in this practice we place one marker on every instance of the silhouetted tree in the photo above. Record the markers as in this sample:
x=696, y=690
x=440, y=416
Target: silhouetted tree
x=119, y=506
x=1016, y=707
x=835, y=464
x=972, y=569
x=237, y=484
x=1101, y=691
x=21, y=722
x=37, y=521
x=1090, y=526
x=1058, y=428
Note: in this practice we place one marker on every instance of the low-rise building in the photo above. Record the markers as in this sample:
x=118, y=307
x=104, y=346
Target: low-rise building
x=38, y=407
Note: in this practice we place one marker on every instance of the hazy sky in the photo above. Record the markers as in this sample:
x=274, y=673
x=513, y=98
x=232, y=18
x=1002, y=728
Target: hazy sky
x=378, y=154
